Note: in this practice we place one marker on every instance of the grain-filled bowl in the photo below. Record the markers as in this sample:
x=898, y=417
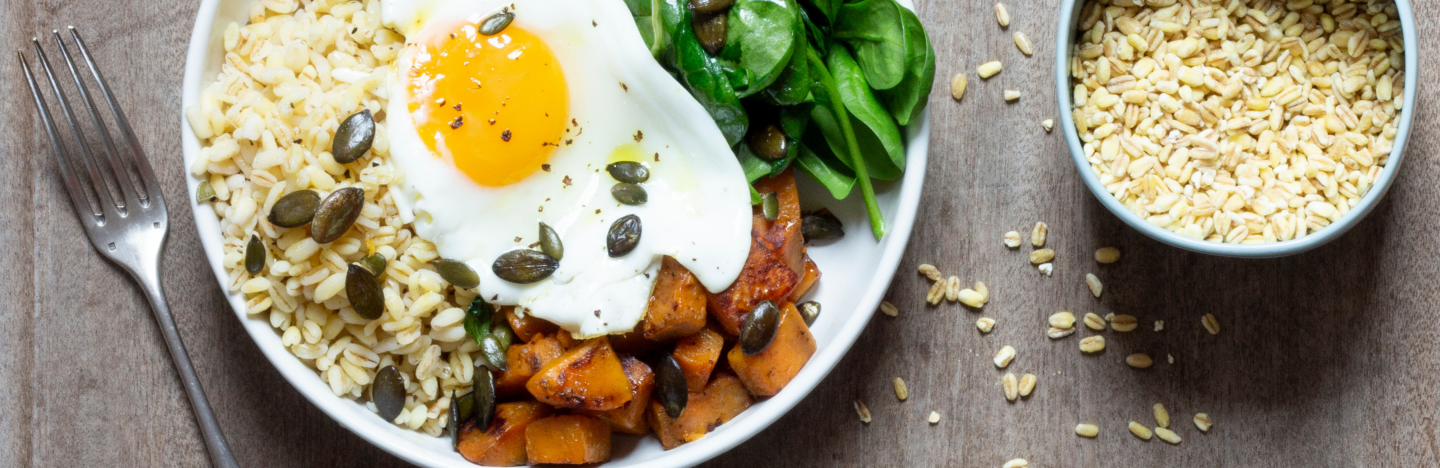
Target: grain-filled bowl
x=298, y=166
x=1260, y=131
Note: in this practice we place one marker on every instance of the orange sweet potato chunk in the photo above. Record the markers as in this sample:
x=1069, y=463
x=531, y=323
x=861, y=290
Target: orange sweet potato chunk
x=588, y=376
x=527, y=327
x=723, y=399
x=630, y=417
x=503, y=443
x=677, y=304
x=523, y=361
x=812, y=275
x=768, y=371
x=568, y=439
x=776, y=261
x=697, y=355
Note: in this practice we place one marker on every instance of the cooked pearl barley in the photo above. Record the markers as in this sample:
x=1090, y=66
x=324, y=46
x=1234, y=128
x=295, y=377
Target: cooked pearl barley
x=863, y=411
x=1016, y=463
x=983, y=290
x=985, y=324
x=1107, y=255
x=1027, y=384
x=930, y=272
x=1004, y=356
x=1058, y=333
x=934, y=418
x=1012, y=239
x=1010, y=386
x=1087, y=430
x=1140, y=431
x=1092, y=344
x=1211, y=324
x=1124, y=323
x=989, y=69
x=972, y=298
x=901, y=391
x=1062, y=320
x=1046, y=268
x=1094, y=322
x=1042, y=256
x=957, y=86
x=1093, y=282
x=1167, y=435
x=1203, y=422
x=1037, y=235
x=1048, y=125
x=1023, y=43
x=1162, y=417
x=1139, y=360
x=889, y=309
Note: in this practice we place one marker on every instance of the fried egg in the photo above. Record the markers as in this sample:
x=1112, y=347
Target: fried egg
x=498, y=133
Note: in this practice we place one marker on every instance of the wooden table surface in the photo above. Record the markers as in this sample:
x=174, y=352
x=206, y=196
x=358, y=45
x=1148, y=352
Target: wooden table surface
x=1324, y=359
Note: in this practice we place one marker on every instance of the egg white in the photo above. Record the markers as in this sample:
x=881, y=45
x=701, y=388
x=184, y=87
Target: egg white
x=698, y=210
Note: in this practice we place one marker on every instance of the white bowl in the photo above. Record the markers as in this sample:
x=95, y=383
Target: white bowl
x=856, y=271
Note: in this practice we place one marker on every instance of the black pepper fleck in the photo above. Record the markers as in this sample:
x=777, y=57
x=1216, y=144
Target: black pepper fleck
x=626, y=88
x=517, y=238
x=639, y=135
x=566, y=181
x=460, y=120
x=505, y=135
x=657, y=157
x=545, y=167
x=457, y=106
x=492, y=121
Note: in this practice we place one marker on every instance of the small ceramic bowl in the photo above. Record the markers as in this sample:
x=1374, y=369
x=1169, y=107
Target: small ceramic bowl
x=1066, y=35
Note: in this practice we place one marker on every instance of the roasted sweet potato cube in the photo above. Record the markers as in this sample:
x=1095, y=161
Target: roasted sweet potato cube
x=503, y=443
x=776, y=261
x=768, y=371
x=588, y=376
x=723, y=399
x=527, y=327
x=812, y=275
x=567, y=340
x=677, y=304
x=568, y=439
x=632, y=343
x=630, y=417
x=523, y=361
x=697, y=355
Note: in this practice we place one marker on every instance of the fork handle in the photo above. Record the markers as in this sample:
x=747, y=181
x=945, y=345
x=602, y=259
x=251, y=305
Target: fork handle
x=219, y=450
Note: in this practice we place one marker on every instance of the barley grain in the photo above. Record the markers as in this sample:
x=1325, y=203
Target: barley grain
x=1002, y=15
x=1087, y=430
x=1093, y=282
x=930, y=272
x=1010, y=386
x=989, y=69
x=863, y=411
x=1027, y=384
x=1048, y=125
x=1124, y=323
x=1012, y=239
x=1016, y=463
x=1038, y=234
x=1062, y=320
x=934, y=418
x=1203, y=422
x=1167, y=435
x=1140, y=431
x=1107, y=255
x=889, y=309
x=1011, y=95
x=985, y=324
x=1023, y=43
x=1058, y=333
x=1139, y=360
x=1041, y=256
x=1094, y=322
x=1092, y=344
x=901, y=391
x=1004, y=356
x=1162, y=417
x=957, y=86
x=971, y=298
x=1211, y=324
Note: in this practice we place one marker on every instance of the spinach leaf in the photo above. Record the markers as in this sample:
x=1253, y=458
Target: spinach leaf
x=821, y=165
x=702, y=74
x=819, y=37
x=874, y=29
x=760, y=40
x=828, y=9
x=906, y=100
x=827, y=96
x=638, y=7
x=647, y=31
x=665, y=19
x=792, y=121
x=878, y=137
x=793, y=85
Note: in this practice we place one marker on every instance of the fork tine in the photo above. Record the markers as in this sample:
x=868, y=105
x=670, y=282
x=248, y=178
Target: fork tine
x=123, y=178
x=78, y=195
x=140, y=161
x=99, y=183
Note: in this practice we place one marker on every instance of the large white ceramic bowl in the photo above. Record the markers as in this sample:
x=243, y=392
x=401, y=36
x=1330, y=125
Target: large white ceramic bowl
x=855, y=274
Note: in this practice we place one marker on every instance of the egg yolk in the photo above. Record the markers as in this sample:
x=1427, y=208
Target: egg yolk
x=495, y=107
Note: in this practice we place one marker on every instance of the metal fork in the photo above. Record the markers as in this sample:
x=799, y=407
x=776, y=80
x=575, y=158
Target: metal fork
x=122, y=210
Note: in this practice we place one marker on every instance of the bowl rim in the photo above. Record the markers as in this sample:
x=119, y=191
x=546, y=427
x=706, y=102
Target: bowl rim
x=401, y=442
x=1065, y=35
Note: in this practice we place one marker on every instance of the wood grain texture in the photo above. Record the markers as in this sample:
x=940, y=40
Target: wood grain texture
x=1324, y=359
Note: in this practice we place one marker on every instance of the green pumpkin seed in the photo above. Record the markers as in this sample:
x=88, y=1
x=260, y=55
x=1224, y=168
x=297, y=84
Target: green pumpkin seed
x=768, y=142
x=255, y=255
x=204, y=193
x=496, y=23
x=550, y=242
x=624, y=236
x=375, y=263
x=294, y=209
x=364, y=291
x=711, y=30
x=454, y=426
x=502, y=332
x=810, y=311
x=493, y=352
x=821, y=225
x=457, y=273
x=629, y=194
x=628, y=171
x=759, y=328
x=710, y=6
x=336, y=214
x=670, y=386
x=524, y=266
x=388, y=393
x=770, y=205
x=466, y=406
x=354, y=137
x=484, y=391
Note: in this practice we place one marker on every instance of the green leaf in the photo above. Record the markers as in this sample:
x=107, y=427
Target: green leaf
x=647, y=31
x=793, y=85
x=477, y=319
x=639, y=8
x=878, y=136
x=760, y=39
x=822, y=166
x=908, y=99
x=828, y=96
x=873, y=28
x=827, y=9
x=702, y=74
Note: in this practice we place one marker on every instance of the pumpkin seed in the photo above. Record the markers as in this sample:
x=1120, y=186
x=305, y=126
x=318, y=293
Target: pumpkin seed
x=670, y=386
x=466, y=406
x=821, y=226
x=496, y=23
x=484, y=391
x=624, y=236
x=628, y=171
x=768, y=142
x=364, y=291
x=759, y=328
x=770, y=205
x=810, y=311
x=710, y=6
x=375, y=263
x=204, y=193
x=454, y=426
x=524, y=266
x=336, y=214
x=388, y=393
x=354, y=137
x=492, y=353
x=294, y=209
x=457, y=273
x=550, y=242
x=254, y=255
x=711, y=30
x=629, y=194
x=501, y=331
